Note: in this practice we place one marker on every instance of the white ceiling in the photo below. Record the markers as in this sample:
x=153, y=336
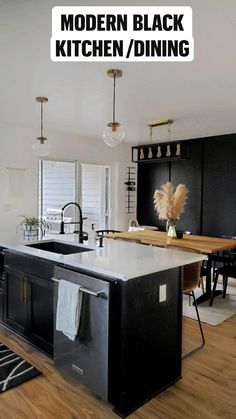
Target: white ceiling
x=199, y=96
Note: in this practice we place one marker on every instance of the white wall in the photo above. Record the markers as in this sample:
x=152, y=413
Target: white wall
x=16, y=152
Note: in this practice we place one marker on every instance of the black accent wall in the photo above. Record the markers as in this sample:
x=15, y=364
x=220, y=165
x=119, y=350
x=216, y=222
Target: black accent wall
x=210, y=176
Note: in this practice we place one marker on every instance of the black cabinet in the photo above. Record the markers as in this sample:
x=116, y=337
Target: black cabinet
x=219, y=187
x=1, y=300
x=1, y=283
x=128, y=346
x=147, y=340
x=209, y=173
x=189, y=172
x=16, y=300
x=28, y=299
x=40, y=312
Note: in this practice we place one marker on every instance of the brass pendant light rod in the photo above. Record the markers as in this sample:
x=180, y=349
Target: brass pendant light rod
x=41, y=119
x=150, y=133
x=113, y=134
x=41, y=100
x=114, y=73
x=114, y=98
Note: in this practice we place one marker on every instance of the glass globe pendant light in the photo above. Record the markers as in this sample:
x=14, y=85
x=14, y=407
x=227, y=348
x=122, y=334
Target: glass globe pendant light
x=114, y=134
x=41, y=145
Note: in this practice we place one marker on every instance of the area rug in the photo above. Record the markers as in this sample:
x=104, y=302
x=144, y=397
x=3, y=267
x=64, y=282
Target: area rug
x=14, y=370
x=222, y=309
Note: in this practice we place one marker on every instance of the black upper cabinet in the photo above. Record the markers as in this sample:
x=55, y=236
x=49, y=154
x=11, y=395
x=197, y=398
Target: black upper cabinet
x=189, y=172
x=219, y=187
x=150, y=177
x=209, y=172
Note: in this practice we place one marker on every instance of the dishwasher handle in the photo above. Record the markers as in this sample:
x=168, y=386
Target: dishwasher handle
x=97, y=294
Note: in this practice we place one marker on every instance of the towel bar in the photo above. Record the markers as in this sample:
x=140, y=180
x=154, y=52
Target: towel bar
x=87, y=291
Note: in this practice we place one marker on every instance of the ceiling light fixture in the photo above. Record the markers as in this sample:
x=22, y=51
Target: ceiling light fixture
x=151, y=125
x=114, y=134
x=159, y=122
x=41, y=145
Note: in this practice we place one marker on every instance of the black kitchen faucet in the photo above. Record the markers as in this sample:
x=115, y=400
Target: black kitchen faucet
x=62, y=225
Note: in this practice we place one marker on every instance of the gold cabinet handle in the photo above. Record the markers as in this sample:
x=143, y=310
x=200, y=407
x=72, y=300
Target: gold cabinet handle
x=22, y=290
x=25, y=290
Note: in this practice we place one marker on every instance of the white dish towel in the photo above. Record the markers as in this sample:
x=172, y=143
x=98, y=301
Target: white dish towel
x=69, y=305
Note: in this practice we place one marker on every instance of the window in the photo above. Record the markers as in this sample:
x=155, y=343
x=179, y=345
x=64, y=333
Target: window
x=57, y=186
x=95, y=194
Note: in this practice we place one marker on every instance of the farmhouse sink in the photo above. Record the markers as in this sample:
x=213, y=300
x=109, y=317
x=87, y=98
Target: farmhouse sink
x=58, y=247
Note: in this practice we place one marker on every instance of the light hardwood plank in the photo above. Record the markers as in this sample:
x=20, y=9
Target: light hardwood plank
x=206, y=391
x=159, y=238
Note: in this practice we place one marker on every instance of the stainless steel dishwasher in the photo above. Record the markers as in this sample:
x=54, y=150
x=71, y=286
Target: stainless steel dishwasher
x=85, y=358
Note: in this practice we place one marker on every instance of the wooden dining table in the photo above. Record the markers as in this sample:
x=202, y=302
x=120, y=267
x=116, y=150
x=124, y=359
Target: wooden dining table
x=207, y=245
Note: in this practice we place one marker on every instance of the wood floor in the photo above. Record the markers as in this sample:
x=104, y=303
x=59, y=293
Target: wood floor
x=207, y=389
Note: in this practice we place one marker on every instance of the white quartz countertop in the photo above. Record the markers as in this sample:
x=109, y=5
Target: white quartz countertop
x=117, y=259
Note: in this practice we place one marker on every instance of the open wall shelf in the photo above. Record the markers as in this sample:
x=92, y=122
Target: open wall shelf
x=160, y=152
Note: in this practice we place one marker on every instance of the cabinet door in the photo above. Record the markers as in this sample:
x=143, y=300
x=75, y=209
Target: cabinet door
x=219, y=187
x=1, y=297
x=40, y=313
x=1, y=303
x=15, y=307
x=189, y=172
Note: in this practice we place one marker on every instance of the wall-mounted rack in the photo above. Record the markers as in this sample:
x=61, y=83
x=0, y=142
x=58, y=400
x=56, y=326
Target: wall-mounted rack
x=130, y=189
x=159, y=152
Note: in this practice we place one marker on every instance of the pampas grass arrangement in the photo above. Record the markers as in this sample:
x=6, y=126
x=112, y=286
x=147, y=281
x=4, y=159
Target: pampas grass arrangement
x=169, y=204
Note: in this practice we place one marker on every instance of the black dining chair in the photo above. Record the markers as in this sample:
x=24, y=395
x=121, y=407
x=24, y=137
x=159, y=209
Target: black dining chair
x=227, y=271
x=223, y=258
x=223, y=264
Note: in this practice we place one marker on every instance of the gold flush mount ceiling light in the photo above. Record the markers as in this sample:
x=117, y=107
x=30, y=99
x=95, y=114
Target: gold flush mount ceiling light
x=159, y=122
x=41, y=144
x=114, y=133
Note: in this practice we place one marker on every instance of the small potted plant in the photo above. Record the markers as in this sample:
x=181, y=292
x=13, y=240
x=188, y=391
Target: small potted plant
x=31, y=226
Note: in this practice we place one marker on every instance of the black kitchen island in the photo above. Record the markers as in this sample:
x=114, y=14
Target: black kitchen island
x=128, y=347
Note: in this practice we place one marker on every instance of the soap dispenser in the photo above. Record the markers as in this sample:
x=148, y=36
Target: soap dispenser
x=92, y=237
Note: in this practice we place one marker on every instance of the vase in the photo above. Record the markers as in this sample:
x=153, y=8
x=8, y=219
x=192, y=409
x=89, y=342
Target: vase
x=171, y=228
